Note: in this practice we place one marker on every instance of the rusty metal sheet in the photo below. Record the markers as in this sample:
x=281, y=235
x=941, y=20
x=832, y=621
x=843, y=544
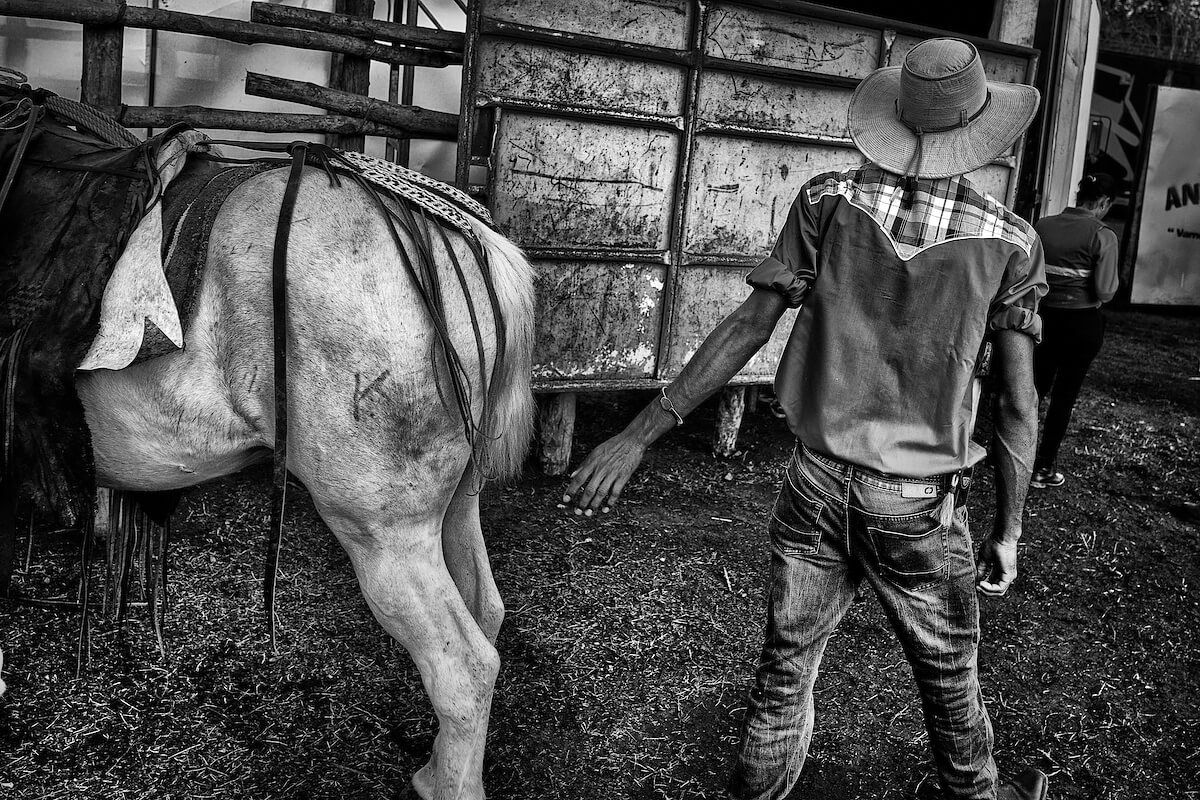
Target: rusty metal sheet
x=664, y=23
x=1001, y=67
x=741, y=190
x=567, y=182
x=597, y=320
x=757, y=36
x=519, y=70
x=765, y=103
x=704, y=297
x=993, y=179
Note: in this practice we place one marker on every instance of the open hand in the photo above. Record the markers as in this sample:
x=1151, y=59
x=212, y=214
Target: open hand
x=598, y=482
x=997, y=567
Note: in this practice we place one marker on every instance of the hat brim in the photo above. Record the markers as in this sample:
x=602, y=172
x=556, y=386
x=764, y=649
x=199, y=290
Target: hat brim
x=878, y=132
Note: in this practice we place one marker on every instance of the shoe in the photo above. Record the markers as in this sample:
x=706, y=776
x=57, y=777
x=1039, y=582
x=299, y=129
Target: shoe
x=1029, y=785
x=1187, y=512
x=1045, y=477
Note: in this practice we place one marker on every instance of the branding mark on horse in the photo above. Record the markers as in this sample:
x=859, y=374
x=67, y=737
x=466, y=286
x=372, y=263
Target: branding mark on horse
x=361, y=391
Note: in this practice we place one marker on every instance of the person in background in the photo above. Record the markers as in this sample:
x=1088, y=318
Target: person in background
x=1081, y=268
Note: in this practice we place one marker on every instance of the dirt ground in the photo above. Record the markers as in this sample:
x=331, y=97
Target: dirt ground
x=631, y=638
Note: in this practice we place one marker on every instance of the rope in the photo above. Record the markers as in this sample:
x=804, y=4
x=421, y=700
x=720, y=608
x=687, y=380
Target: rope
x=93, y=120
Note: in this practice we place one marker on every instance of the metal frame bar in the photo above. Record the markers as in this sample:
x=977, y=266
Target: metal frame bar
x=468, y=112
x=581, y=42
x=829, y=14
x=697, y=35
x=590, y=113
x=552, y=386
x=613, y=254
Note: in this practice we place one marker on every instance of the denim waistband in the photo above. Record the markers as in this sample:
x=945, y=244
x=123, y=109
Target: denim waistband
x=879, y=480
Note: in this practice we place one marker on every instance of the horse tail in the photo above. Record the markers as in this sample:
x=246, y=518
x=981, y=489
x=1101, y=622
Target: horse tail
x=509, y=412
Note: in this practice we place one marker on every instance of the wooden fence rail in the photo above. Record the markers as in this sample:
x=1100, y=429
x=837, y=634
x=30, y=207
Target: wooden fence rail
x=106, y=14
x=413, y=120
x=449, y=42
x=342, y=34
x=260, y=121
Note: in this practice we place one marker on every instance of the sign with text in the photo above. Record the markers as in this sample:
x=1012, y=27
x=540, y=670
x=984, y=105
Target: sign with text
x=1167, y=269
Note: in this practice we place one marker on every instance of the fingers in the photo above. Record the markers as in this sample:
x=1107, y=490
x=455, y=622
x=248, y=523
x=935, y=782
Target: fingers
x=994, y=579
x=995, y=588
x=983, y=569
x=589, y=489
x=578, y=477
x=600, y=479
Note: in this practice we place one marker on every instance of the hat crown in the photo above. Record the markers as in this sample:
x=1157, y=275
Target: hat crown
x=942, y=85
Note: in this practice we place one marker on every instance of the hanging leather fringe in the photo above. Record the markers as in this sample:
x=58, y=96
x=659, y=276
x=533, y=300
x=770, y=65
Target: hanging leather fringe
x=135, y=563
x=10, y=354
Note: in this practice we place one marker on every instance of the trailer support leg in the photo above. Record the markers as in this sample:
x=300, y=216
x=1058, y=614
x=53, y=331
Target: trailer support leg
x=556, y=429
x=730, y=408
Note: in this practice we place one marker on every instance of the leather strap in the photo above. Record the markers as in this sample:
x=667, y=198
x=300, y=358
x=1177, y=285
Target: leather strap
x=299, y=153
x=34, y=114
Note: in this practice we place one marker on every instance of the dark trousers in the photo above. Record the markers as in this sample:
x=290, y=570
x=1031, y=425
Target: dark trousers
x=1071, y=338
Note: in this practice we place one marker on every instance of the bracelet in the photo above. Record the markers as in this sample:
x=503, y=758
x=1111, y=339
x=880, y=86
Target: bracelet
x=665, y=404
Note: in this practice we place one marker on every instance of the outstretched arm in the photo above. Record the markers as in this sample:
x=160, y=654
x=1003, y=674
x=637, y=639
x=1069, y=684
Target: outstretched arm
x=1016, y=437
x=600, y=479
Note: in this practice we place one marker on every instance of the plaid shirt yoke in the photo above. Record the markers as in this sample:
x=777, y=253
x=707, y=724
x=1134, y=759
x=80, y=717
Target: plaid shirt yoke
x=942, y=210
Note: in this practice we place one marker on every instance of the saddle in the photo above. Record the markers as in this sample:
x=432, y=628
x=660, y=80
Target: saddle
x=71, y=202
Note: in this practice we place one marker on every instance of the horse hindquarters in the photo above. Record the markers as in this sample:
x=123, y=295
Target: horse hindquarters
x=373, y=439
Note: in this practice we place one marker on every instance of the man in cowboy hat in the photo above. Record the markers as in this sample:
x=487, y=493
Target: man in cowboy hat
x=899, y=268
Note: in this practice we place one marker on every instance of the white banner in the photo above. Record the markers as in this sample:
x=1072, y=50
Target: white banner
x=1167, y=269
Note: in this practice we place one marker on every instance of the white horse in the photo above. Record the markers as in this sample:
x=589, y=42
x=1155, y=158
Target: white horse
x=372, y=433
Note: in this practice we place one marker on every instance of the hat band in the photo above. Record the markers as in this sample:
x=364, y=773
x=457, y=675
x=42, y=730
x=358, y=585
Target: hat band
x=963, y=120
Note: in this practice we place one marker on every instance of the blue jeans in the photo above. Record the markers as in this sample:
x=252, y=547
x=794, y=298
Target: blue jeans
x=833, y=525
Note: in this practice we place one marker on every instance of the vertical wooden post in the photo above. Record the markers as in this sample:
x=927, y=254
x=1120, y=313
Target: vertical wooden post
x=556, y=429
x=104, y=501
x=103, y=48
x=753, y=393
x=729, y=419
x=351, y=73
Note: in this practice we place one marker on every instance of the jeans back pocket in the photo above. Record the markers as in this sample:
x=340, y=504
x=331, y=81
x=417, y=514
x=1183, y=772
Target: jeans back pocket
x=913, y=551
x=794, y=525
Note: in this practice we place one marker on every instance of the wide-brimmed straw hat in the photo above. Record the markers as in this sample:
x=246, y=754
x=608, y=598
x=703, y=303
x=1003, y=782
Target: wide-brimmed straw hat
x=938, y=115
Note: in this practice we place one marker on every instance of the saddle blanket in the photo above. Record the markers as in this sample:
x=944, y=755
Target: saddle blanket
x=153, y=286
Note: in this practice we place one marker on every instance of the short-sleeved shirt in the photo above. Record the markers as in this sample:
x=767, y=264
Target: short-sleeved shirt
x=895, y=298
x=1081, y=259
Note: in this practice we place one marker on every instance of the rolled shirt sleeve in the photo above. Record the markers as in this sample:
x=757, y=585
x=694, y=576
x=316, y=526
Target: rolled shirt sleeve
x=1016, y=305
x=790, y=269
x=1105, y=272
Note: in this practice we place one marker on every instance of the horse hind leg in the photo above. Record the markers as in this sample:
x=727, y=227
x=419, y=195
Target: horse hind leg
x=404, y=578
x=467, y=559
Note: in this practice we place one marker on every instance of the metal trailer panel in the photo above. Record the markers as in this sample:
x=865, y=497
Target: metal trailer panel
x=712, y=293
x=522, y=71
x=613, y=310
x=756, y=36
x=663, y=23
x=577, y=183
x=645, y=153
x=727, y=98
x=741, y=190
